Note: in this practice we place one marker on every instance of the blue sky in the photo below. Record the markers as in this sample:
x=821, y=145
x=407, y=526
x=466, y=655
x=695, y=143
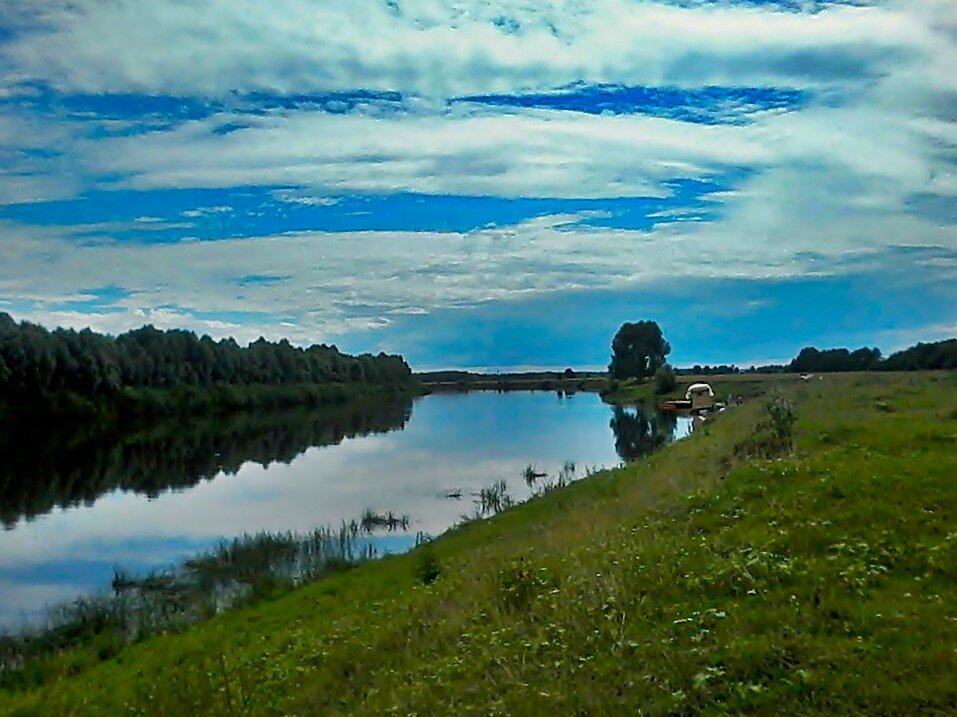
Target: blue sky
x=487, y=185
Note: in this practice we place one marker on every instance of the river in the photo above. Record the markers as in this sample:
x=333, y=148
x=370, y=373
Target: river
x=76, y=506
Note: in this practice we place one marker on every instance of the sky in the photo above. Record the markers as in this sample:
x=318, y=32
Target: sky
x=493, y=184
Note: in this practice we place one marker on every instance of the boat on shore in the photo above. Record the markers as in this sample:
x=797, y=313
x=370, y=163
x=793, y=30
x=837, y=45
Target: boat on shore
x=699, y=398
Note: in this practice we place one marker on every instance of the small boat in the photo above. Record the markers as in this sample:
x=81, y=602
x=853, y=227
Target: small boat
x=676, y=405
x=698, y=397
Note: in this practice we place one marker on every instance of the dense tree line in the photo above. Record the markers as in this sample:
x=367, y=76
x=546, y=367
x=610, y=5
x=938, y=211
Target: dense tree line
x=35, y=360
x=938, y=355
x=930, y=356
x=699, y=370
x=810, y=359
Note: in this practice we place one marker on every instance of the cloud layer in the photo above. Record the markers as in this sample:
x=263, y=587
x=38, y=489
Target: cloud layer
x=831, y=130
x=441, y=48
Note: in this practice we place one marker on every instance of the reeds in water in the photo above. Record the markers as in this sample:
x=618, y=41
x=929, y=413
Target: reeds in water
x=235, y=572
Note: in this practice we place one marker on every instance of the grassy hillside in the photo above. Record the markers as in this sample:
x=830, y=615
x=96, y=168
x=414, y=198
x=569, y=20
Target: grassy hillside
x=703, y=579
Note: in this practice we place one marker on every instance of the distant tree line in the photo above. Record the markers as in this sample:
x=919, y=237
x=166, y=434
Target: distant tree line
x=835, y=360
x=937, y=355
x=639, y=351
x=720, y=370
x=474, y=377
x=931, y=356
x=35, y=360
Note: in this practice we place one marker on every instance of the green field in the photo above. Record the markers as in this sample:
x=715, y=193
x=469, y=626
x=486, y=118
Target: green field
x=720, y=575
x=740, y=386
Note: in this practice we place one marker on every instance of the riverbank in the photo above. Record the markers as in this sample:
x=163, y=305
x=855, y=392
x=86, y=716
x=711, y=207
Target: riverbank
x=514, y=383
x=699, y=578
x=738, y=387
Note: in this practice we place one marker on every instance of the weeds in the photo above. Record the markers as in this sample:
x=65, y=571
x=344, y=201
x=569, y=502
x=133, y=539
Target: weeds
x=519, y=584
x=782, y=415
x=772, y=437
x=235, y=573
x=665, y=380
x=531, y=475
x=494, y=499
x=427, y=567
x=372, y=521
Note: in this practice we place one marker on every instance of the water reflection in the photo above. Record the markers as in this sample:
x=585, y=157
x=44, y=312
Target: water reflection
x=42, y=468
x=80, y=506
x=640, y=431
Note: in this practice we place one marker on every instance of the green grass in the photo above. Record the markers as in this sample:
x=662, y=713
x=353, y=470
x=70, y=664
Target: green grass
x=697, y=581
x=743, y=386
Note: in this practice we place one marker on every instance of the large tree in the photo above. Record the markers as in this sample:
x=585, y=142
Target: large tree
x=638, y=350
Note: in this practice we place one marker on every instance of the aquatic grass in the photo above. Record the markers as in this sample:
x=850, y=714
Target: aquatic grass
x=493, y=499
x=372, y=521
x=236, y=572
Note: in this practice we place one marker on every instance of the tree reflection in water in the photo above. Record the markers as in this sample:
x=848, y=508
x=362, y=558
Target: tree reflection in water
x=640, y=431
x=42, y=467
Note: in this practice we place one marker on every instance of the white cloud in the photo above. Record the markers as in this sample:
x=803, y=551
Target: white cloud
x=529, y=153
x=440, y=48
x=205, y=211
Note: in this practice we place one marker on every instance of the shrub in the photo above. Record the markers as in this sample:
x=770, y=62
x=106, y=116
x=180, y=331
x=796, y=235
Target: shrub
x=665, y=380
x=782, y=415
x=519, y=584
x=427, y=567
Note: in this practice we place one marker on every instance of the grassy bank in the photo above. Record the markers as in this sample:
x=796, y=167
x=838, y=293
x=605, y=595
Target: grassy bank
x=702, y=579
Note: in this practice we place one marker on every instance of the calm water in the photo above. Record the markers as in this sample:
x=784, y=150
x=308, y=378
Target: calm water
x=74, y=508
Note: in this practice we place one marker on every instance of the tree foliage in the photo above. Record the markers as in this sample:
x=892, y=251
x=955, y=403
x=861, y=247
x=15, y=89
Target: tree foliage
x=665, y=379
x=810, y=359
x=35, y=360
x=706, y=370
x=638, y=350
x=937, y=355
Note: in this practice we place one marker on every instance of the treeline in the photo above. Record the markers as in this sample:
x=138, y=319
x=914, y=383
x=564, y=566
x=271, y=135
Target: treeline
x=930, y=356
x=698, y=370
x=938, y=355
x=835, y=360
x=453, y=376
x=34, y=360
